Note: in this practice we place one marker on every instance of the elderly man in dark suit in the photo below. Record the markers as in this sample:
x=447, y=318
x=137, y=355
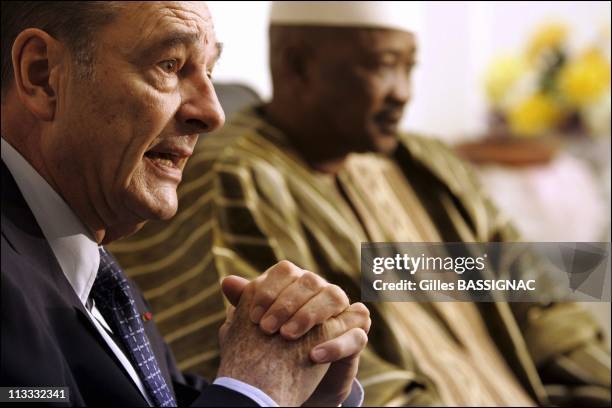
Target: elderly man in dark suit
x=101, y=107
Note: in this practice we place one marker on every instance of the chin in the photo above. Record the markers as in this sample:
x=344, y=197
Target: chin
x=164, y=212
x=385, y=144
x=154, y=206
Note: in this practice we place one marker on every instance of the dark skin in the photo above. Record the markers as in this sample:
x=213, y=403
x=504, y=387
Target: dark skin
x=339, y=90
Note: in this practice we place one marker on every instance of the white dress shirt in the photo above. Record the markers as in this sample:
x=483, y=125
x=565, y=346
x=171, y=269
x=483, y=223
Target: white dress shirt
x=78, y=255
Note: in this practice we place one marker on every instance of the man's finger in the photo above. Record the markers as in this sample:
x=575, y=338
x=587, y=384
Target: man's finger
x=347, y=345
x=291, y=299
x=232, y=287
x=268, y=287
x=329, y=302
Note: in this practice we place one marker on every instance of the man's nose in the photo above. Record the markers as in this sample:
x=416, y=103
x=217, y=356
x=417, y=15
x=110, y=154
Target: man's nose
x=402, y=89
x=201, y=111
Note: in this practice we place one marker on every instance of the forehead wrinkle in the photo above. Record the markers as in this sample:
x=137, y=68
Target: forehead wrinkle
x=167, y=25
x=189, y=17
x=173, y=39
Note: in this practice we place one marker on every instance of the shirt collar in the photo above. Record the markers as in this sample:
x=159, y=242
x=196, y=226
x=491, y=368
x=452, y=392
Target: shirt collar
x=72, y=244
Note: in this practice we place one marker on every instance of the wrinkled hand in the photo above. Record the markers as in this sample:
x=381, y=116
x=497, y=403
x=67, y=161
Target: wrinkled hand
x=336, y=385
x=291, y=301
x=279, y=367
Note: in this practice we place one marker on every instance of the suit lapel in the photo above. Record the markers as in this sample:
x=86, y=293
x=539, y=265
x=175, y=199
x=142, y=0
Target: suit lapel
x=67, y=316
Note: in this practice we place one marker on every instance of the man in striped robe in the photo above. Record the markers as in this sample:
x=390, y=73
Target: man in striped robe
x=320, y=169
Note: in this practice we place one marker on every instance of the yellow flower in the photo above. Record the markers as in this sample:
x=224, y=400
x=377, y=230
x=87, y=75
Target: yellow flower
x=549, y=36
x=534, y=116
x=582, y=81
x=502, y=75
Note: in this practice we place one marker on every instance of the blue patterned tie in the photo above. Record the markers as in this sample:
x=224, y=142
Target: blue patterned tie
x=111, y=292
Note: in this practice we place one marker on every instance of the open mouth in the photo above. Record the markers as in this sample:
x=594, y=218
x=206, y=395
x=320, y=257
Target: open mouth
x=164, y=159
x=169, y=156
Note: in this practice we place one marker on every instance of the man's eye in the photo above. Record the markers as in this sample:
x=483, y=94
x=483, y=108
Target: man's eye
x=384, y=65
x=169, y=66
x=410, y=67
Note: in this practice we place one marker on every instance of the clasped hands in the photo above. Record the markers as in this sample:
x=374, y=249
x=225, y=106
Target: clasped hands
x=292, y=335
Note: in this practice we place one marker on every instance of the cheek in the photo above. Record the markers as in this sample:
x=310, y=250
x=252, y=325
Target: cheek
x=137, y=118
x=123, y=125
x=360, y=97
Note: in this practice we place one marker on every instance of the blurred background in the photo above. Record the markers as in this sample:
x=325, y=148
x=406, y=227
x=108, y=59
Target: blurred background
x=520, y=89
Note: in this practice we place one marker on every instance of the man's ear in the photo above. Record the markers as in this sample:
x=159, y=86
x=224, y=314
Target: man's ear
x=37, y=58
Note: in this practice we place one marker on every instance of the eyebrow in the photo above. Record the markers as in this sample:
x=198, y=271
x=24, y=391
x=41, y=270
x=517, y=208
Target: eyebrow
x=178, y=38
x=412, y=56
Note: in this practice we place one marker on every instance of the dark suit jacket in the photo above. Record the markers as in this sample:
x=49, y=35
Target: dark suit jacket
x=48, y=338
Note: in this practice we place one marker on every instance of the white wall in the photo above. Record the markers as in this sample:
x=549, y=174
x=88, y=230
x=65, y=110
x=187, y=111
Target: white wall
x=456, y=42
x=242, y=28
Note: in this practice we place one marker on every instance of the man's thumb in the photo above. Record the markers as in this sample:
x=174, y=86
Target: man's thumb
x=232, y=287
